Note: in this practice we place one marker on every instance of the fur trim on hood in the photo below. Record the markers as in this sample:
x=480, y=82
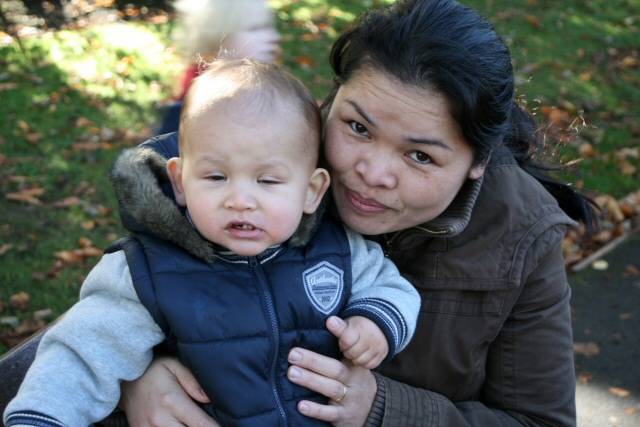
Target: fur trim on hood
x=145, y=201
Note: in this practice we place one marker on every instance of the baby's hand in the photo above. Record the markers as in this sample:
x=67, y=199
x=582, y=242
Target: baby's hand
x=360, y=339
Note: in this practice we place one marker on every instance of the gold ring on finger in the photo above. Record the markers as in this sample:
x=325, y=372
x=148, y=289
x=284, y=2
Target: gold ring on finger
x=345, y=389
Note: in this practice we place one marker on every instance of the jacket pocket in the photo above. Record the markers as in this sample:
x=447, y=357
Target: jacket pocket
x=462, y=302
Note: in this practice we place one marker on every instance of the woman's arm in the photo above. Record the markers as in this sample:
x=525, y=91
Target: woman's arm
x=530, y=376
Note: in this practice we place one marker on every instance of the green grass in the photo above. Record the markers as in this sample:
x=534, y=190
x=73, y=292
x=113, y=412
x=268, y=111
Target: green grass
x=100, y=86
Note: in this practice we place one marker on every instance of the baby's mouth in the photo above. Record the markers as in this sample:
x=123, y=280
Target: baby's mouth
x=245, y=226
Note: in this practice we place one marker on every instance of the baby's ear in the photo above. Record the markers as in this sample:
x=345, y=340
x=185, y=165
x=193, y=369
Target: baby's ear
x=318, y=184
x=174, y=170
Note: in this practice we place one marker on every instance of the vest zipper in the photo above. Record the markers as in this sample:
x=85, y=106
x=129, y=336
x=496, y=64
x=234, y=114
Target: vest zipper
x=255, y=266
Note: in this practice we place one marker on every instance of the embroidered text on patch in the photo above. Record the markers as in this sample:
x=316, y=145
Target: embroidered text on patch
x=323, y=284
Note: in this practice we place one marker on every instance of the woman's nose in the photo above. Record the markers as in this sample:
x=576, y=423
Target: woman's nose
x=377, y=172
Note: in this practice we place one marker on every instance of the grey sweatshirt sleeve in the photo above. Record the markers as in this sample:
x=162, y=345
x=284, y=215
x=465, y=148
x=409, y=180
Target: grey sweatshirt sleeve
x=107, y=337
x=380, y=293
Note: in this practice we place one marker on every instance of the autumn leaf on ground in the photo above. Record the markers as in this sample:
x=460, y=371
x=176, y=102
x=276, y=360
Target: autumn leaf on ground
x=29, y=195
x=587, y=349
x=556, y=115
x=533, y=20
x=67, y=202
x=627, y=168
x=305, y=61
x=5, y=248
x=585, y=377
x=8, y=86
x=91, y=146
x=20, y=301
x=618, y=391
x=632, y=410
x=83, y=122
x=631, y=270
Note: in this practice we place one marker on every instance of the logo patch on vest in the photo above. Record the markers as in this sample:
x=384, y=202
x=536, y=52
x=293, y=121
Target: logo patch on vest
x=323, y=284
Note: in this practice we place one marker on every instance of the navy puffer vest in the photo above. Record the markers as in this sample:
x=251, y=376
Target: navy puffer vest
x=234, y=321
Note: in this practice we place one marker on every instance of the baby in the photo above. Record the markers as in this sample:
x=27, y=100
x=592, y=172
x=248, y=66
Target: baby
x=244, y=271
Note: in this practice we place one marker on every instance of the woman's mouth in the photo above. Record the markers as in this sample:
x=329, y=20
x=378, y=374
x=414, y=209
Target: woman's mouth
x=362, y=204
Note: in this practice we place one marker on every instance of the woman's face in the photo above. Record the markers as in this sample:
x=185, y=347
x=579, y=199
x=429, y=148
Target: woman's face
x=397, y=158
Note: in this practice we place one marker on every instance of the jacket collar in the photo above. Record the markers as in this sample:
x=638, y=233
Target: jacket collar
x=146, y=204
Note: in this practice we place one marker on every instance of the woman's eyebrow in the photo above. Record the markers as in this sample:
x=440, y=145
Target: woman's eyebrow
x=433, y=142
x=360, y=111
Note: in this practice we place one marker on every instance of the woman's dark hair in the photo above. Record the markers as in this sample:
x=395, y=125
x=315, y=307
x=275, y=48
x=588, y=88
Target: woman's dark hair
x=444, y=46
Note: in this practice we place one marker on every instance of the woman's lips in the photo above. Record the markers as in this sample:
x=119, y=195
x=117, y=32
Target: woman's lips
x=362, y=204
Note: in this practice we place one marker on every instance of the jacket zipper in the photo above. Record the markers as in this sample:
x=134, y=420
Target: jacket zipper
x=255, y=266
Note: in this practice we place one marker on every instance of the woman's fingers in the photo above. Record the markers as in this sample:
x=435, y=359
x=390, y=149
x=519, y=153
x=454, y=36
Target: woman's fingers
x=186, y=380
x=329, y=387
x=321, y=365
x=329, y=413
x=157, y=399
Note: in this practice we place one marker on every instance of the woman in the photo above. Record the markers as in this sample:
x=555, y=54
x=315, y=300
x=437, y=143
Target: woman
x=430, y=154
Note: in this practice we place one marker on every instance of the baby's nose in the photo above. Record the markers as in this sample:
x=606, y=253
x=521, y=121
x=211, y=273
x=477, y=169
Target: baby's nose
x=240, y=201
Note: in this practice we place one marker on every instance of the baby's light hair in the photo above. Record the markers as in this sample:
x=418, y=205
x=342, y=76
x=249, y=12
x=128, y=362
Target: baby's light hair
x=256, y=85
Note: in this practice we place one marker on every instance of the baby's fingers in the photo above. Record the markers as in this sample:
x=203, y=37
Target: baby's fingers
x=347, y=335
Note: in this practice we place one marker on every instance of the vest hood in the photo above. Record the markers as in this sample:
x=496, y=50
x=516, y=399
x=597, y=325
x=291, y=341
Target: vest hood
x=146, y=204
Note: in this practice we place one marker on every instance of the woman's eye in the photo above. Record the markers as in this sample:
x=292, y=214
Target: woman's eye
x=358, y=128
x=420, y=157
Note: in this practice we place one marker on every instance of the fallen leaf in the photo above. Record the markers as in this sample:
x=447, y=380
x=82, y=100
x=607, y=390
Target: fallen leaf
x=84, y=242
x=585, y=377
x=29, y=195
x=42, y=314
x=626, y=316
x=33, y=137
x=626, y=168
x=8, y=86
x=20, y=301
x=631, y=270
x=83, y=121
x=586, y=150
x=91, y=146
x=618, y=391
x=5, y=248
x=533, y=20
x=88, y=225
x=587, y=349
x=24, y=126
x=305, y=61
x=67, y=202
x=69, y=257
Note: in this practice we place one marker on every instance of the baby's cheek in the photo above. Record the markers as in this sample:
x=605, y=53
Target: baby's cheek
x=285, y=221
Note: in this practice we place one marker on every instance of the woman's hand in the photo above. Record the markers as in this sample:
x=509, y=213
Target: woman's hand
x=162, y=397
x=351, y=389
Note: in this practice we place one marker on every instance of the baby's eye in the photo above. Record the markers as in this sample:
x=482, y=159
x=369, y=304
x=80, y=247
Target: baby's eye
x=358, y=128
x=420, y=157
x=216, y=177
x=269, y=181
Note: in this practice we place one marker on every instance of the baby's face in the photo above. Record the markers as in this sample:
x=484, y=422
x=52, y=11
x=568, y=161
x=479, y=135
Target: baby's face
x=246, y=180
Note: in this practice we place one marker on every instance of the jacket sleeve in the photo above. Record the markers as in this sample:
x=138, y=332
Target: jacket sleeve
x=530, y=378
x=381, y=294
x=107, y=337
